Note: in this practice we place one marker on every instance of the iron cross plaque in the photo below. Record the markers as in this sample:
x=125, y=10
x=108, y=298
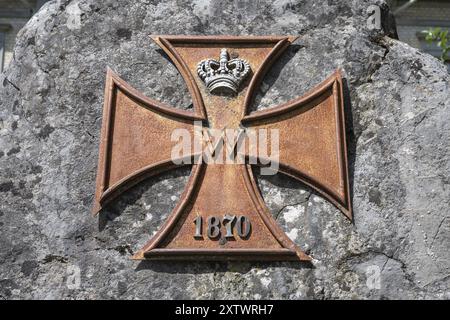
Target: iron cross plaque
x=221, y=214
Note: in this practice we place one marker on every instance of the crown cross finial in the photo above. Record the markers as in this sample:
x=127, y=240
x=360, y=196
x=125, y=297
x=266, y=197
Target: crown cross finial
x=224, y=75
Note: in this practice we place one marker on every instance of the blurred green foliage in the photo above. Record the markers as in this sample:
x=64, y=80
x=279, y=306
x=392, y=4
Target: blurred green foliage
x=440, y=37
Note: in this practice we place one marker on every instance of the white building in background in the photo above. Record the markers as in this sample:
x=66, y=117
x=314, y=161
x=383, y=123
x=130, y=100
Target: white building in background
x=414, y=16
x=14, y=14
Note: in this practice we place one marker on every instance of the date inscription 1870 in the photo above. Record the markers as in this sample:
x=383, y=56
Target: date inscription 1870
x=215, y=226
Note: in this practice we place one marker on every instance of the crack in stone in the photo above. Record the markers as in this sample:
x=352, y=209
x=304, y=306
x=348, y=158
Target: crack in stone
x=54, y=258
x=384, y=265
x=12, y=84
x=437, y=280
x=122, y=249
x=382, y=42
x=403, y=265
x=293, y=204
x=437, y=231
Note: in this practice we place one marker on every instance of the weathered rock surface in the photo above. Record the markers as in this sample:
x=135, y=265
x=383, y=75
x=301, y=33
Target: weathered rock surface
x=50, y=116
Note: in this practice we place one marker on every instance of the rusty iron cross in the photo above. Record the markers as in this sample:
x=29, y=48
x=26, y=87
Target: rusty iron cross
x=135, y=144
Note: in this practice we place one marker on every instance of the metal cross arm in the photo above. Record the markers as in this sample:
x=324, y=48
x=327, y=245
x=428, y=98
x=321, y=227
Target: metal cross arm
x=135, y=138
x=312, y=144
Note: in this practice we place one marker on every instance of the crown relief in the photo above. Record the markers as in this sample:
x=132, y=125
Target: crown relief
x=225, y=75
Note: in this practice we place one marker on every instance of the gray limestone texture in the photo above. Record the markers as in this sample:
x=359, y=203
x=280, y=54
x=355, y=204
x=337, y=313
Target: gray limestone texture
x=398, y=127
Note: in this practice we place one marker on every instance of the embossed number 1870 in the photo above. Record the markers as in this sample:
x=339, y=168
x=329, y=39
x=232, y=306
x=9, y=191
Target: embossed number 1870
x=213, y=226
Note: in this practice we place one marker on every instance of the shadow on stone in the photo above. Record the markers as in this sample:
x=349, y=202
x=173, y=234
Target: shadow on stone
x=117, y=206
x=199, y=267
x=281, y=180
x=272, y=75
x=351, y=138
x=165, y=56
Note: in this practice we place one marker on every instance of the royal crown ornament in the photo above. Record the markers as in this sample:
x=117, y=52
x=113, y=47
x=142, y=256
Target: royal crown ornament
x=223, y=76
